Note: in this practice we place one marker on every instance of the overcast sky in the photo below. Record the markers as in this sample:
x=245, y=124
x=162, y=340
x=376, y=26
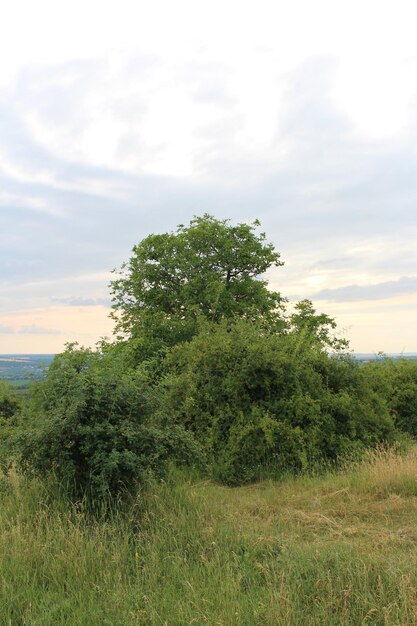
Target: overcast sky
x=121, y=119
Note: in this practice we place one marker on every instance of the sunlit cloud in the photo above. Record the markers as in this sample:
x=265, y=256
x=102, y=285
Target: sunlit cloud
x=80, y=301
x=28, y=330
x=378, y=291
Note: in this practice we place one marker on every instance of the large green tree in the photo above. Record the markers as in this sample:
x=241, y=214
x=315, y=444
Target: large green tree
x=207, y=270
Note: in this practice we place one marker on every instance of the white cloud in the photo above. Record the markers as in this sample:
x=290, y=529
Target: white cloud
x=124, y=120
x=33, y=329
x=364, y=292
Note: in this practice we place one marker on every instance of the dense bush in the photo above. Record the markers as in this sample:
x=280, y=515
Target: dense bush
x=396, y=381
x=9, y=401
x=252, y=398
x=207, y=362
x=10, y=405
x=88, y=423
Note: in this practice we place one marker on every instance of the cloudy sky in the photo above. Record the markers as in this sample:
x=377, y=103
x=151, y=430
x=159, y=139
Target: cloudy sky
x=121, y=119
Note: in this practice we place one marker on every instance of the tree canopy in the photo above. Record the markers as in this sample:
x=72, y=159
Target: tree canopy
x=209, y=269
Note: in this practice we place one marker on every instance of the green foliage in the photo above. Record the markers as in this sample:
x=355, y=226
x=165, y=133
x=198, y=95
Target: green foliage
x=316, y=328
x=254, y=398
x=396, y=382
x=10, y=407
x=330, y=550
x=256, y=441
x=208, y=363
x=88, y=423
x=207, y=270
x=9, y=402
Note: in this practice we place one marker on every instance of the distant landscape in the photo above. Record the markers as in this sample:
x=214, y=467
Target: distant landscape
x=363, y=356
x=21, y=369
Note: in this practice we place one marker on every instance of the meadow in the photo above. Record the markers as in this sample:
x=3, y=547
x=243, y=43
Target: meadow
x=332, y=549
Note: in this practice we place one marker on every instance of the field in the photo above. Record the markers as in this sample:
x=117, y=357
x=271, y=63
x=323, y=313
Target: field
x=338, y=549
x=19, y=370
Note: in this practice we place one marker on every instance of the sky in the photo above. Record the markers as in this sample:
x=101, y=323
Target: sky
x=122, y=119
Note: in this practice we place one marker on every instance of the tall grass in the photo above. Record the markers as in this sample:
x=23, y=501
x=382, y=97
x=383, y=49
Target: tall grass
x=336, y=550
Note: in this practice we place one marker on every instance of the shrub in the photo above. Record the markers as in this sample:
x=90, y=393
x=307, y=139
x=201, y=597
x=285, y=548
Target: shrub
x=396, y=382
x=254, y=398
x=10, y=405
x=9, y=402
x=88, y=423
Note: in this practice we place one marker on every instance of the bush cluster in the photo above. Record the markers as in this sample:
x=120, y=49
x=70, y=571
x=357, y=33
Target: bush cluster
x=208, y=367
x=89, y=422
x=9, y=402
x=252, y=399
x=395, y=380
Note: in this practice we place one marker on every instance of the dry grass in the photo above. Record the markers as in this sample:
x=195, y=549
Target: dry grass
x=334, y=550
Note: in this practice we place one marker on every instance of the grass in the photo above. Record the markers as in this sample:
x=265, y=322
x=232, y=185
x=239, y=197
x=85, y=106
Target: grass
x=338, y=549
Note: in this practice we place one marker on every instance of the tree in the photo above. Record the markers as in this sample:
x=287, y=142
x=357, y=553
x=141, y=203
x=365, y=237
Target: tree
x=316, y=327
x=207, y=270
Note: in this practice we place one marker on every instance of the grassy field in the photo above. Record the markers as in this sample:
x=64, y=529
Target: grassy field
x=339, y=549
